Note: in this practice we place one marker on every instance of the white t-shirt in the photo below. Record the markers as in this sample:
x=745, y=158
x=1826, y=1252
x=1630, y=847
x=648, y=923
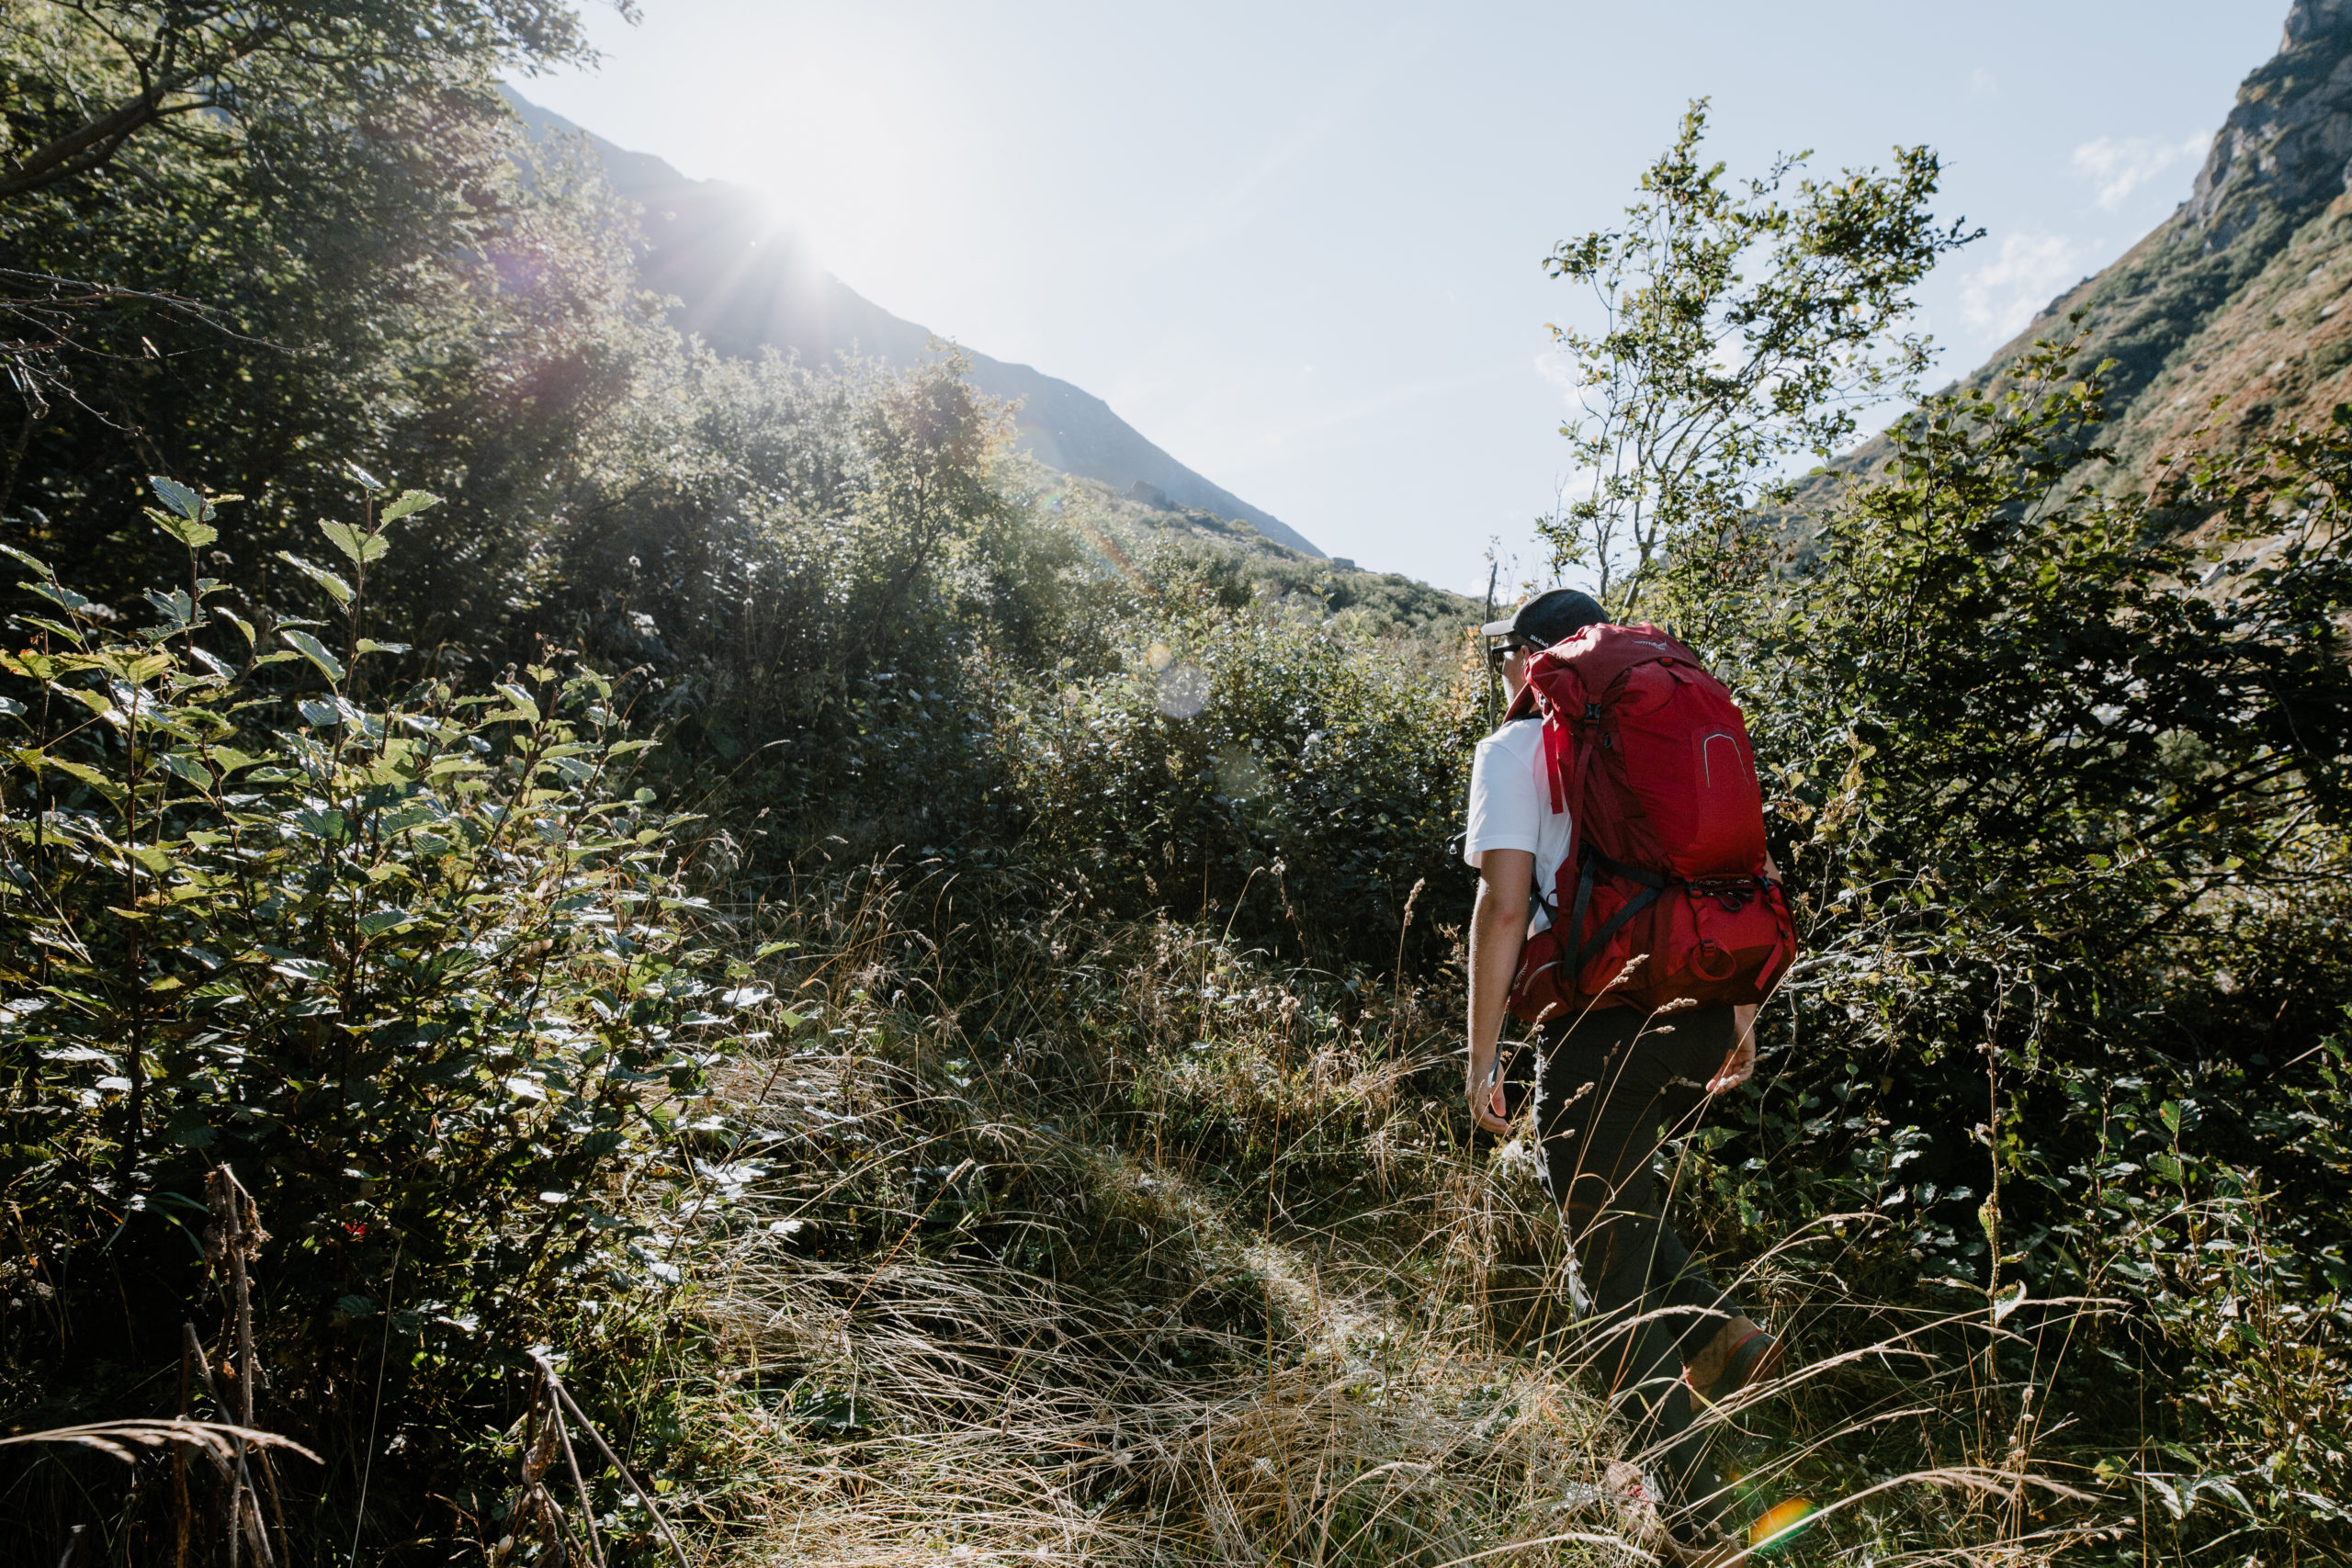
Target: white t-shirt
x=1510, y=807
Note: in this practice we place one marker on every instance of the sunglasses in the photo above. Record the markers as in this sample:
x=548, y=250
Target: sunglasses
x=1502, y=648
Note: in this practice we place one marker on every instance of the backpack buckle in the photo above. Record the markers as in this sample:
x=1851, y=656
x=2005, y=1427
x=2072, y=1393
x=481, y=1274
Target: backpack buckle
x=1733, y=893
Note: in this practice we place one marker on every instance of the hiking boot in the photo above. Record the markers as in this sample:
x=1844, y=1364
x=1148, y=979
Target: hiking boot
x=1639, y=1500
x=1740, y=1354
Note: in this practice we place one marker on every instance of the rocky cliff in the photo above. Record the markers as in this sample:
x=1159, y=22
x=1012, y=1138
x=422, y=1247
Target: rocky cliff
x=2241, y=295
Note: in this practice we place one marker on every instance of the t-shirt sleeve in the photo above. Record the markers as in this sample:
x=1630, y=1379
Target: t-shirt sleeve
x=1505, y=812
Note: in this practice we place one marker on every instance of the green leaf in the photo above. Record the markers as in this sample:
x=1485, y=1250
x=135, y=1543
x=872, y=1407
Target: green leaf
x=409, y=503
x=180, y=499
x=33, y=561
x=320, y=575
x=314, y=650
x=239, y=622
x=195, y=535
x=357, y=547
x=57, y=594
x=190, y=768
x=97, y=703
x=188, y=1129
x=71, y=636
x=382, y=920
x=320, y=824
x=519, y=697
x=88, y=775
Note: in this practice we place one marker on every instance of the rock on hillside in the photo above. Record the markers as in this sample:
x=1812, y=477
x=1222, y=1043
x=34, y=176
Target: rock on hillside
x=2240, y=294
x=745, y=285
x=2244, y=294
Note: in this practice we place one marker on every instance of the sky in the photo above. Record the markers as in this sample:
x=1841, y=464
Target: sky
x=1299, y=245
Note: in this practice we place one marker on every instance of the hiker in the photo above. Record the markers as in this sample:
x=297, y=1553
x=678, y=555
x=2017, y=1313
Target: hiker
x=1623, y=726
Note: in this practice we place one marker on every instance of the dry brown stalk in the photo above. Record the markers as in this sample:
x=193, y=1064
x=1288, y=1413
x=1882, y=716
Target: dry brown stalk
x=231, y=1242
x=546, y=1434
x=218, y=1441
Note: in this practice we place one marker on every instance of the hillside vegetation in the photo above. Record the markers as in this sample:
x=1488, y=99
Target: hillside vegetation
x=2226, y=323
x=745, y=283
x=615, y=953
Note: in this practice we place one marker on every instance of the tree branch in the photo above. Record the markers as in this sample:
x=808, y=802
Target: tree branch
x=92, y=145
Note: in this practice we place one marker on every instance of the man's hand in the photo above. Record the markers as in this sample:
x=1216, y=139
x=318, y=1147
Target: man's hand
x=1740, y=1065
x=1487, y=1104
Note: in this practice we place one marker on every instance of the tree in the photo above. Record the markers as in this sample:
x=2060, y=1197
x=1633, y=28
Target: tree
x=90, y=76
x=381, y=275
x=1701, y=383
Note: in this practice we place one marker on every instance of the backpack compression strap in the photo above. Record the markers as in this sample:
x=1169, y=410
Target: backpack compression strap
x=1593, y=860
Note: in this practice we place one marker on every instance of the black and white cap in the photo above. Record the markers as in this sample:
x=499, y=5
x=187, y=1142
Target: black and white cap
x=1549, y=617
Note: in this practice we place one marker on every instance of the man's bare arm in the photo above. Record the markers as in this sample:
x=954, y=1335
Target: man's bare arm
x=1740, y=1065
x=1498, y=932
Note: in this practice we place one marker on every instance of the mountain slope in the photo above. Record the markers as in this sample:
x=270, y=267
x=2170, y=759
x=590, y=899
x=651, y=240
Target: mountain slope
x=745, y=283
x=2233, y=316
x=2238, y=297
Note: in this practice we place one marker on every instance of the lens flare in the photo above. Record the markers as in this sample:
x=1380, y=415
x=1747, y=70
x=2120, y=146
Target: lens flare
x=1184, y=691
x=1782, y=1523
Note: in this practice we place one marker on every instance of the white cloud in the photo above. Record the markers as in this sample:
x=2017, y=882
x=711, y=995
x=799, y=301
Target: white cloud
x=2119, y=165
x=1982, y=84
x=1557, y=368
x=2000, y=297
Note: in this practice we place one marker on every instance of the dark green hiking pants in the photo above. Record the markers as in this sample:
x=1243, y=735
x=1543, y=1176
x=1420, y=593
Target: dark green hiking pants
x=1613, y=1085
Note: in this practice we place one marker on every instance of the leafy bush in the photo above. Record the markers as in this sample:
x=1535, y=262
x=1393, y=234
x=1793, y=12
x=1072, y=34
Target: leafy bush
x=817, y=568
x=349, y=254
x=414, y=966
x=2071, y=838
x=1300, y=774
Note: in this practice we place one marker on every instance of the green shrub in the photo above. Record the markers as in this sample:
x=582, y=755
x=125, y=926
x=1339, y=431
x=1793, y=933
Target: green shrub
x=1303, y=770
x=2070, y=838
x=414, y=966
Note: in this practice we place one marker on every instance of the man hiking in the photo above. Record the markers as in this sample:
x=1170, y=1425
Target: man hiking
x=1628, y=909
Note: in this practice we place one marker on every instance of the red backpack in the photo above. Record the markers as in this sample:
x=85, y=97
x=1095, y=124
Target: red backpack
x=1667, y=859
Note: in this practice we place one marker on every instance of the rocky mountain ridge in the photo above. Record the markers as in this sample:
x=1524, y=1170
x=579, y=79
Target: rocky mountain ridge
x=2230, y=318
x=744, y=285
x=2233, y=316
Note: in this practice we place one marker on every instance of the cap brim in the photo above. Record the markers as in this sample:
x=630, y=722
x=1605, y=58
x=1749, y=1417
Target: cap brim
x=1498, y=628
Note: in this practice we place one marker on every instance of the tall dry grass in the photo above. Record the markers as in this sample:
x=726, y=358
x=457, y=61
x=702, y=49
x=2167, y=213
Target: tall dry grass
x=1075, y=1243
